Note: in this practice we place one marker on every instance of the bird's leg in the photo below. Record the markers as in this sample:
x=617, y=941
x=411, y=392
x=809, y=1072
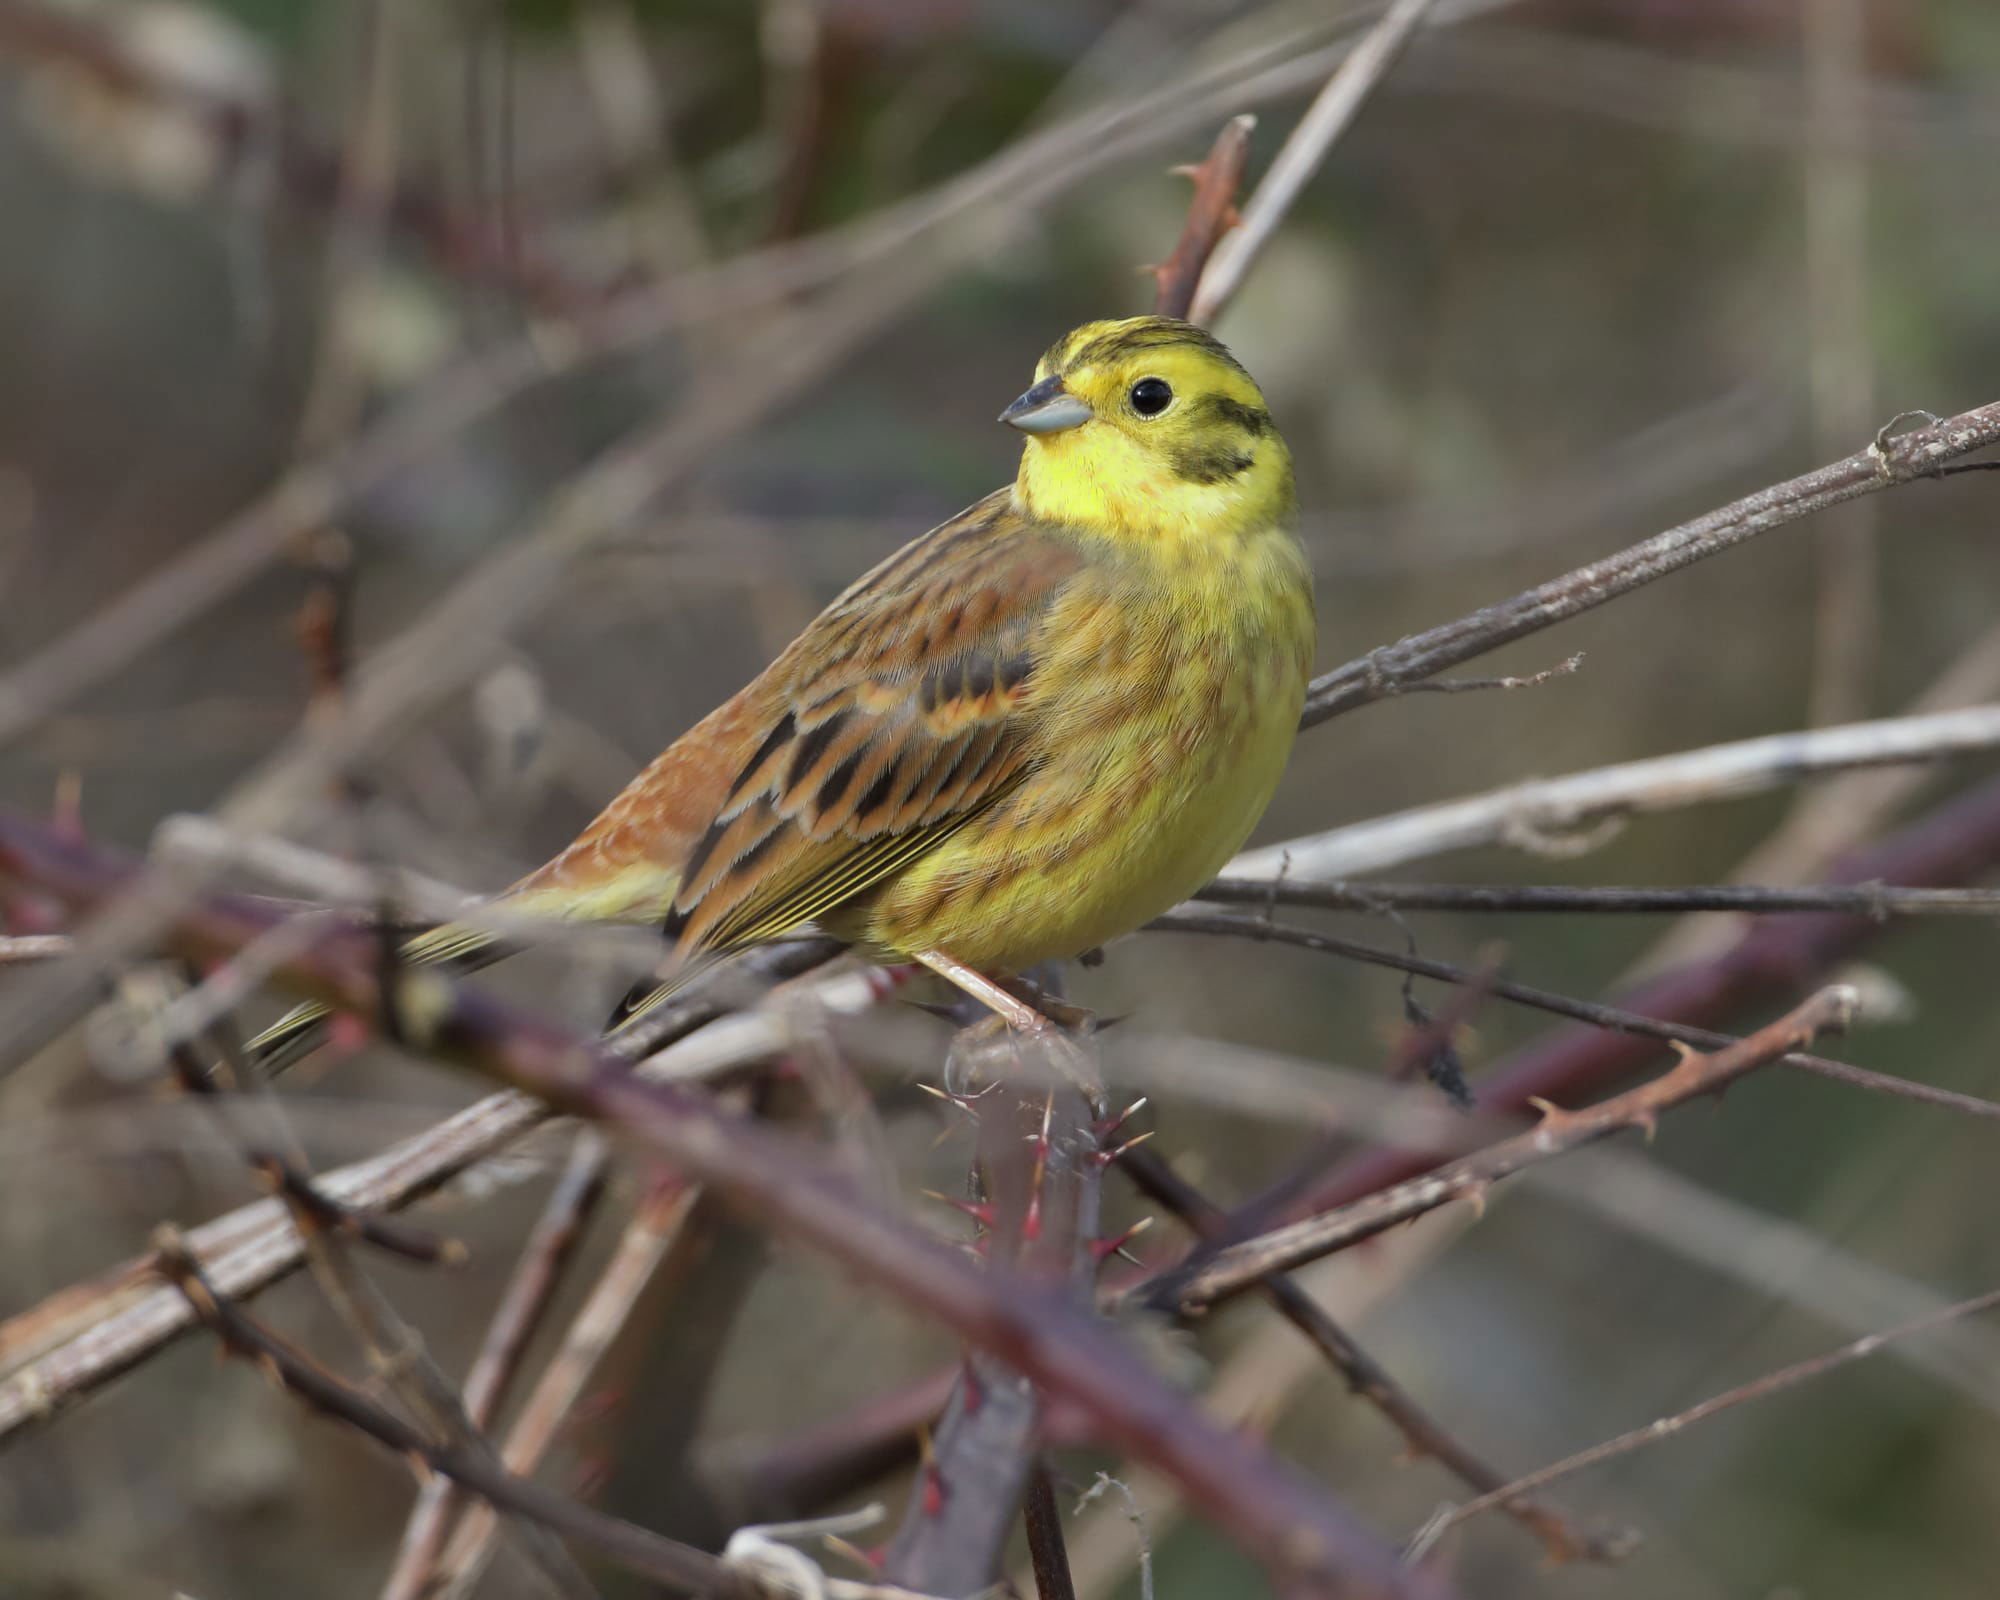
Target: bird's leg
x=1016, y=1012
x=1025, y=1018
x=1078, y=1021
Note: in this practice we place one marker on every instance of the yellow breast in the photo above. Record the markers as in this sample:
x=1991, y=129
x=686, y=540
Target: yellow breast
x=1165, y=711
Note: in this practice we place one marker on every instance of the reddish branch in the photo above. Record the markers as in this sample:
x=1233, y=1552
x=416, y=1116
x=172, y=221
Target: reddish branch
x=1309, y=1543
x=1248, y=1264
x=1422, y=1433
x=1040, y=1176
x=1211, y=214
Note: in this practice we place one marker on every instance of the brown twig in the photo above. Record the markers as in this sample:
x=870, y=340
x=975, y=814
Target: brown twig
x=1957, y=842
x=1422, y=1433
x=1564, y=668
x=953, y=225
x=1211, y=214
x=395, y=1350
x=523, y=1305
x=1890, y=459
x=656, y=1222
x=666, y=1560
x=1246, y=1265
x=1757, y=1389
x=118, y=1321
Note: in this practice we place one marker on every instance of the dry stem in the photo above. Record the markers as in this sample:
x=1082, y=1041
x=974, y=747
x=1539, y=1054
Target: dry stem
x=1247, y=1264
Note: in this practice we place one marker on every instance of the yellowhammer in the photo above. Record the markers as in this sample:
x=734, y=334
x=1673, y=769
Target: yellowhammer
x=1024, y=734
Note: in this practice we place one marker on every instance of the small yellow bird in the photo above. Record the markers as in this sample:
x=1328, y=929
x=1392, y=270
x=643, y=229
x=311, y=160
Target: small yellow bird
x=1031, y=730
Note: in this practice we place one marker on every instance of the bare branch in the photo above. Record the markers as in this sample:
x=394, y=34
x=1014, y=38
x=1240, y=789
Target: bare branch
x=89, y=1334
x=1876, y=900
x=927, y=236
x=1548, y=813
x=681, y=1566
x=1957, y=841
x=1041, y=1177
x=242, y=128
x=656, y=1223
x=1757, y=1389
x=1240, y=1266
x=1562, y=669
x=1889, y=460
x=1045, y=1539
x=523, y=1305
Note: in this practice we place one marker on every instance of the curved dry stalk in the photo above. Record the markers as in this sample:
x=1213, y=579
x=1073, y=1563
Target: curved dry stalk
x=557, y=1233
x=1549, y=813
x=655, y=1224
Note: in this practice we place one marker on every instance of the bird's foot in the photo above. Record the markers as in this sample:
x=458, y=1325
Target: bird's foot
x=1051, y=1032
x=993, y=1046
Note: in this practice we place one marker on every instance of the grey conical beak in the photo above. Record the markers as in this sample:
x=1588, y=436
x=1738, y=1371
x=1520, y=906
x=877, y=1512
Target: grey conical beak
x=1046, y=408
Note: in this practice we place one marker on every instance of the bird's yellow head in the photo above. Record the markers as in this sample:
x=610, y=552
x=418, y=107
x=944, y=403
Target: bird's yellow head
x=1149, y=430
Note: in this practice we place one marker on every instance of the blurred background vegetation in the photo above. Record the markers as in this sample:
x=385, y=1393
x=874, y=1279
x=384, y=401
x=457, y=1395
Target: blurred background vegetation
x=1564, y=284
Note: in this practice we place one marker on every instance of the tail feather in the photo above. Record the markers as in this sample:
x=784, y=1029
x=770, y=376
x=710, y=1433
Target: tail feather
x=302, y=1030
x=650, y=993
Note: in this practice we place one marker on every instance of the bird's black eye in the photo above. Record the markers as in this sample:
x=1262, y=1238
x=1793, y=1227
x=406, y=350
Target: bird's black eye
x=1151, y=396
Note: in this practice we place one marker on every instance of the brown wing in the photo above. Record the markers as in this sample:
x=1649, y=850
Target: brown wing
x=899, y=714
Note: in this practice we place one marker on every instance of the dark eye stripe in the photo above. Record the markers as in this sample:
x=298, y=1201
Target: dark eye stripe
x=1210, y=463
x=1253, y=420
